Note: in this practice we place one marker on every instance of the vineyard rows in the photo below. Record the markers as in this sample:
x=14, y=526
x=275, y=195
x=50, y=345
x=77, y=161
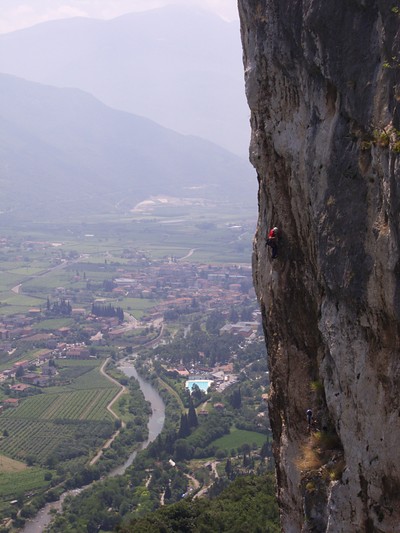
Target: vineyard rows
x=29, y=437
x=41, y=439
x=93, y=380
x=77, y=405
x=60, y=422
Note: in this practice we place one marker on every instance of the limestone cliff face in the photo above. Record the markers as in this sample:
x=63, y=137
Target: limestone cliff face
x=322, y=82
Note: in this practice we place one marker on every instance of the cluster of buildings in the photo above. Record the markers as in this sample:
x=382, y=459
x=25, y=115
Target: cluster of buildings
x=179, y=285
x=220, y=376
x=38, y=370
x=19, y=330
x=247, y=330
x=173, y=285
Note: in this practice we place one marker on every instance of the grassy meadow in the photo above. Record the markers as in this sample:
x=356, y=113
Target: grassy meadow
x=238, y=437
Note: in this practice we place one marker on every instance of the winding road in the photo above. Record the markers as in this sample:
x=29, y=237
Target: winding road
x=190, y=253
x=109, y=408
x=203, y=490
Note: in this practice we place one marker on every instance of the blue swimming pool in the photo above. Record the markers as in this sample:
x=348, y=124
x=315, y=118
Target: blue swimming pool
x=203, y=384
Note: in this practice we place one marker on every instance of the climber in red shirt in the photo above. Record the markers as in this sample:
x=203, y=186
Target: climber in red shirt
x=272, y=241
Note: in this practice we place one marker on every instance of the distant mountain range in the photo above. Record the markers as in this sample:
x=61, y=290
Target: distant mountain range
x=64, y=152
x=179, y=66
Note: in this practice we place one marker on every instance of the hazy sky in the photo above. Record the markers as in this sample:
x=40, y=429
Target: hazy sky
x=17, y=14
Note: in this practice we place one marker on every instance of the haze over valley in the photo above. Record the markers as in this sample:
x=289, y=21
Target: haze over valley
x=127, y=215
x=63, y=150
x=117, y=112
x=157, y=64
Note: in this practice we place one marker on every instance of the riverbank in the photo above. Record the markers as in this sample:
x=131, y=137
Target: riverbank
x=155, y=426
x=123, y=390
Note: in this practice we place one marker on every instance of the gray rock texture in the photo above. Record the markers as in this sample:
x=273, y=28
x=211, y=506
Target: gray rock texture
x=323, y=86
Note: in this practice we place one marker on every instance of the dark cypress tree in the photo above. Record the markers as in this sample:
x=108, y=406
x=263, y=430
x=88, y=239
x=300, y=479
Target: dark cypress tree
x=184, y=429
x=120, y=314
x=266, y=450
x=228, y=468
x=167, y=494
x=236, y=399
x=192, y=416
x=170, y=441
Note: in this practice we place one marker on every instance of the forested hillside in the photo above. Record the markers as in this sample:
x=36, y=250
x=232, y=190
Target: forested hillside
x=248, y=504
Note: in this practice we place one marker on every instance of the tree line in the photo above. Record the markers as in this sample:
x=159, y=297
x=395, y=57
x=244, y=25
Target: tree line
x=107, y=311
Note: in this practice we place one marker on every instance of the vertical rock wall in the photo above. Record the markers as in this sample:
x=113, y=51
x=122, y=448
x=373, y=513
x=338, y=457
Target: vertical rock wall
x=322, y=82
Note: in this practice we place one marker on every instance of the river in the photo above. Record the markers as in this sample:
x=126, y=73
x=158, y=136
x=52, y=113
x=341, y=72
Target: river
x=155, y=425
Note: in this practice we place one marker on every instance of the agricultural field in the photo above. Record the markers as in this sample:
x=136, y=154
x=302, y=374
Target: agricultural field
x=78, y=257
x=136, y=305
x=48, y=424
x=27, y=271
x=79, y=405
x=14, y=484
x=52, y=324
x=12, y=304
x=10, y=466
x=39, y=441
x=238, y=437
x=217, y=235
x=24, y=480
x=7, y=360
x=8, y=279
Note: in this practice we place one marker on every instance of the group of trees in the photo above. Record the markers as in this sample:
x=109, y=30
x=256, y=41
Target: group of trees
x=61, y=307
x=235, y=399
x=213, y=347
x=198, y=443
x=109, y=285
x=247, y=504
x=193, y=438
x=188, y=421
x=107, y=311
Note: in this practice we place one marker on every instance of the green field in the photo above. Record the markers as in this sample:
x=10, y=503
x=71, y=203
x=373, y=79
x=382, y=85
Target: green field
x=21, y=300
x=7, y=361
x=54, y=323
x=27, y=271
x=92, y=250
x=14, y=484
x=80, y=405
x=8, y=280
x=47, y=424
x=56, y=278
x=238, y=437
x=165, y=232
